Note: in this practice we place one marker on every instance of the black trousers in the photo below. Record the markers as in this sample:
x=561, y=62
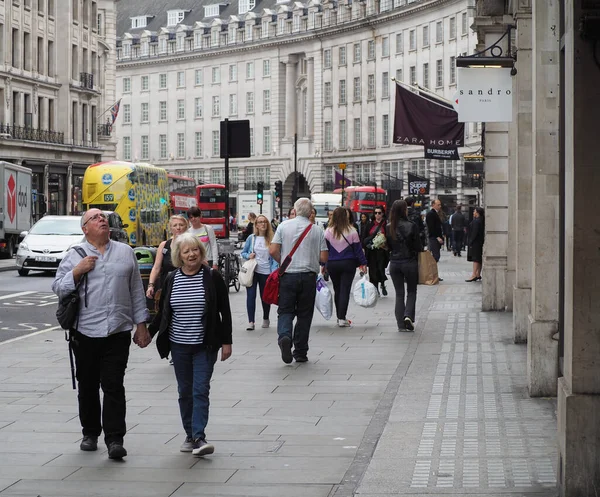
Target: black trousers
x=342, y=274
x=458, y=241
x=101, y=363
x=405, y=272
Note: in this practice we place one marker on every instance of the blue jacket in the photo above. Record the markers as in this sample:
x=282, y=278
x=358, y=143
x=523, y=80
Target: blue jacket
x=248, y=250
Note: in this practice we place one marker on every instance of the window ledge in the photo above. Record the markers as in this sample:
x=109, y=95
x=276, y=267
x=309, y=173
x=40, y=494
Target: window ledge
x=198, y=118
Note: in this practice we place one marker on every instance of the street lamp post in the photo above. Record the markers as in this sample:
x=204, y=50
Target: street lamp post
x=343, y=169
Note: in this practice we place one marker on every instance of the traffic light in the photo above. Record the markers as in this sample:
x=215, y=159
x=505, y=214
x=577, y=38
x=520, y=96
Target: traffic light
x=278, y=192
x=259, y=192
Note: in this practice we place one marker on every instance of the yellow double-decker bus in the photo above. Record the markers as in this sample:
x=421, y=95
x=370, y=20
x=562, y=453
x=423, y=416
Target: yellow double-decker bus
x=139, y=193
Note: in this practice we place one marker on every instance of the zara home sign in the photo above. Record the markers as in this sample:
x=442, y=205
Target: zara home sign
x=485, y=94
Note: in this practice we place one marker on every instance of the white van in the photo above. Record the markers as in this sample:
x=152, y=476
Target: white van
x=323, y=203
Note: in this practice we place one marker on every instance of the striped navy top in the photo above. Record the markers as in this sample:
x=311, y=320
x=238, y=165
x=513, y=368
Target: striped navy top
x=187, y=304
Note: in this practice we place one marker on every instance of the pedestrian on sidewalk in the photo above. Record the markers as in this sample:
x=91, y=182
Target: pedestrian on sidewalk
x=414, y=216
x=112, y=303
x=404, y=241
x=435, y=230
x=206, y=234
x=257, y=247
x=193, y=323
x=298, y=285
x=457, y=222
x=377, y=254
x=476, y=240
x=345, y=255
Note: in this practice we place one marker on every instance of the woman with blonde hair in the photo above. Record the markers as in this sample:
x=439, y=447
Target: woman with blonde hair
x=257, y=246
x=345, y=254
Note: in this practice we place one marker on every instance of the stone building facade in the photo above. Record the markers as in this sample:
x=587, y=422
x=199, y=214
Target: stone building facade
x=321, y=71
x=52, y=77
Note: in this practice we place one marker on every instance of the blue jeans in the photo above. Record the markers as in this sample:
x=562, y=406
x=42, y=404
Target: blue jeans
x=194, y=365
x=297, y=292
x=259, y=280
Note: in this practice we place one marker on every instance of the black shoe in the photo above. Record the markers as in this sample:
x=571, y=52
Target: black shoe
x=89, y=444
x=440, y=279
x=301, y=358
x=116, y=451
x=408, y=324
x=478, y=278
x=285, y=344
x=472, y=279
x=383, y=290
x=459, y=254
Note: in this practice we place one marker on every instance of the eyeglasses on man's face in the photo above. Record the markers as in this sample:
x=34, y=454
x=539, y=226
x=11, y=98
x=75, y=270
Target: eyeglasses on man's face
x=95, y=217
x=378, y=213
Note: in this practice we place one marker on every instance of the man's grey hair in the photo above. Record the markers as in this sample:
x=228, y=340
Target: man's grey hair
x=303, y=207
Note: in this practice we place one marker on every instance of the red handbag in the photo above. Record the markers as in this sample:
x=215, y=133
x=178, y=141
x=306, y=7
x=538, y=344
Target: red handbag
x=271, y=292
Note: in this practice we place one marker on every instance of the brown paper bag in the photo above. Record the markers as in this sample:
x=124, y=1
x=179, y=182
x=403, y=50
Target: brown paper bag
x=428, y=271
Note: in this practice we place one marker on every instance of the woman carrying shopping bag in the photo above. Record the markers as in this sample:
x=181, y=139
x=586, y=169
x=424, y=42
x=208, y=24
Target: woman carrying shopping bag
x=405, y=244
x=257, y=247
x=345, y=254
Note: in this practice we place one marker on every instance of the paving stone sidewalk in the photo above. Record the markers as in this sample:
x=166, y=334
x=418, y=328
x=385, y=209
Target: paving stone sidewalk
x=374, y=412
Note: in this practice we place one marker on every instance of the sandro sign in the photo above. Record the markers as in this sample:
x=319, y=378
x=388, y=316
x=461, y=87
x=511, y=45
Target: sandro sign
x=484, y=94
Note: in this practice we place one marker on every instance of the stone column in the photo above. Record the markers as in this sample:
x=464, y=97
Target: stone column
x=542, y=349
x=523, y=162
x=290, y=98
x=43, y=110
x=310, y=95
x=579, y=387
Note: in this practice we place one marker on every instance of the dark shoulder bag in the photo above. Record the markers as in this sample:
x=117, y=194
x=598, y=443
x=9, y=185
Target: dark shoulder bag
x=67, y=313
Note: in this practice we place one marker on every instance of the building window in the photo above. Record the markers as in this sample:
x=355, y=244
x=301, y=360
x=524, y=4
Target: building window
x=357, y=137
x=439, y=74
x=371, y=87
x=385, y=47
x=425, y=36
x=399, y=75
x=371, y=138
x=328, y=138
x=144, y=112
x=145, y=147
x=211, y=10
x=464, y=24
x=356, y=52
x=162, y=111
x=233, y=73
x=399, y=45
x=452, y=33
x=198, y=144
x=249, y=70
x=342, y=55
x=357, y=89
x=343, y=135
x=127, y=148
x=198, y=107
x=198, y=77
x=452, y=70
x=266, y=100
x=181, y=145
x=370, y=50
x=426, y=75
x=385, y=130
x=250, y=103
x=216, y=106
x=327, y=94
x=252, y=150
x=266, y=68
x=245, y=6
x=216, y=75
x=180, y=109
x=174, y=17
x=126, y=85
x=439, y=32
x=327, y=58
x=412, y=40
x=162, y=142
x=216, y=144
x=342, y=92
x=180, y=79
x=145, y=84
x=162, y=81
x=412, y=75
x=385, y=85
x=126, y=114
x=233, y=104
x=267, y=140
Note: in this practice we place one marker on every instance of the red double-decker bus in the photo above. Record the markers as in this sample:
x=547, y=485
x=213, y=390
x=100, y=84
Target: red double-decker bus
x=182, y=193
x=363, y=198
x=211, y=201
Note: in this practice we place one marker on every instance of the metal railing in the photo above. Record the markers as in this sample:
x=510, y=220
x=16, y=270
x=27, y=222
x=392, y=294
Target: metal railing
x=445, y=181
x=329, y=186
x=87, y=80
x=104, y=130
x=469, y=181
x=28, y=133
x=251, y=185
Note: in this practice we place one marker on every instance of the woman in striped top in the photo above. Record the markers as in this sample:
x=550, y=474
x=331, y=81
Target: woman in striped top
x=193, y=323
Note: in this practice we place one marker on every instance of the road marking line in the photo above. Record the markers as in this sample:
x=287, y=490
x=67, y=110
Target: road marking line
x=16, y=339
x=20, y=294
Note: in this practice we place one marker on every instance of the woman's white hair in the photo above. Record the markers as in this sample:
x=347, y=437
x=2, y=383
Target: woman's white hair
x=303, y=207
x=182, y=241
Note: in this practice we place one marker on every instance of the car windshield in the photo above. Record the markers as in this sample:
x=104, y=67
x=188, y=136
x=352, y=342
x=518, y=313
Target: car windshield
x=57, y=227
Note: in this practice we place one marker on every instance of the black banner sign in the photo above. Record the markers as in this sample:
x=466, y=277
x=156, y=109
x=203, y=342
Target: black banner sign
x=442, y=153
x=417, y=185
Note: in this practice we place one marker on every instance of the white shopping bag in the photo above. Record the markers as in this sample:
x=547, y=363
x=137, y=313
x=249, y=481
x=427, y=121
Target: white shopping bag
x=324, y=299
x=365, y=293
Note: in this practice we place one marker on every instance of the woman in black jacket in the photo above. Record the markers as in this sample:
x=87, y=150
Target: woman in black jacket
x=193, y=322
x=377, y=256
x=404, y=243
x=476, y=239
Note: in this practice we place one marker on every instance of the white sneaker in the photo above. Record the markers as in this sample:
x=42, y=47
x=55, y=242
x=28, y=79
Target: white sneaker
x=343, y=323
x=250, y=327
x=266, y=323
x=203, y=448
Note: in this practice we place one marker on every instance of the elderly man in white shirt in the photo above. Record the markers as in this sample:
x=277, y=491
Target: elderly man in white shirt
x=112, y=303
x=298, y=285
